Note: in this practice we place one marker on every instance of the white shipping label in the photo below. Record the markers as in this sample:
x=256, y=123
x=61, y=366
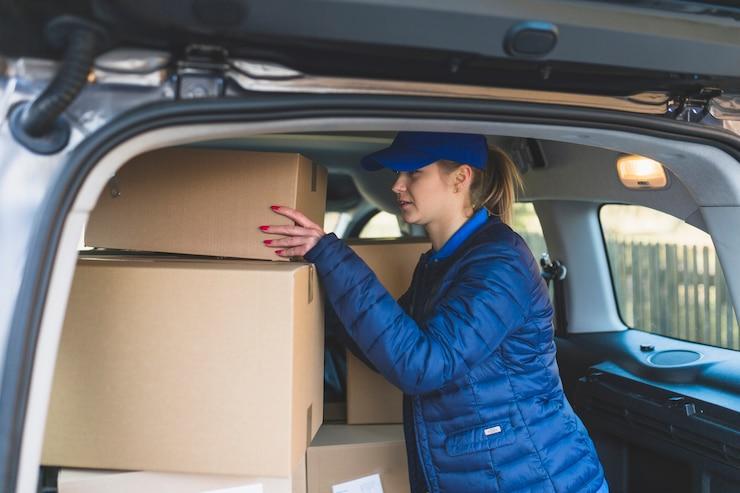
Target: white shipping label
x=368, y=484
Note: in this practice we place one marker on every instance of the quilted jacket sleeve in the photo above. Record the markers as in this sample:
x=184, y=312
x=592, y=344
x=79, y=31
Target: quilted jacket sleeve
x=488, y=300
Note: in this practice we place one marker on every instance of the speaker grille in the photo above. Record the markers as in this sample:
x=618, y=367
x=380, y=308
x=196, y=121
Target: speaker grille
x=674, y=357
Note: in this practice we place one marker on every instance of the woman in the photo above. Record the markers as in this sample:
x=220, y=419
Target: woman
x=471, y=342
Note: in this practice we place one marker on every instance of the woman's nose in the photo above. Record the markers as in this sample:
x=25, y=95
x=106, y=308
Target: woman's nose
x=399, y=185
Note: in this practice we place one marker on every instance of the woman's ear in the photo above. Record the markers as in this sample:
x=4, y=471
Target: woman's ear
x=463, y=175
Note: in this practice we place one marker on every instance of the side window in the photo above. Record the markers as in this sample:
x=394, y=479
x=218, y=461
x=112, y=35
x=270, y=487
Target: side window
x=667, y=277
x=527, y=224
x=332, y=221
x=381, y=225
x=337, y=222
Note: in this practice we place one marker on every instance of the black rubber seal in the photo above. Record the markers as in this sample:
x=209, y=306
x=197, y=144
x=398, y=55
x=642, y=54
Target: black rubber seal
x=55, y=138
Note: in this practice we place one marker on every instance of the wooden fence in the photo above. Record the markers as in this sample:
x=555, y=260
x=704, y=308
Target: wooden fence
x=673, y=290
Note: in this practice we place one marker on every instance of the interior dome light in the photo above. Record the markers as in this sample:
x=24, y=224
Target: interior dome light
x=640, y=172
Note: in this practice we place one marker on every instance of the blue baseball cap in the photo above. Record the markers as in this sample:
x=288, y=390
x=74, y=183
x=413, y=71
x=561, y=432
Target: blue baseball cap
x=413, y=150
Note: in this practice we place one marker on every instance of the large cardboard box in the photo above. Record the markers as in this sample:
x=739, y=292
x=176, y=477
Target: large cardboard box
x=342, y=453
x=204, y=201
x=393, y=261
x=72, y=481
x=370, y=397
x=201, y=366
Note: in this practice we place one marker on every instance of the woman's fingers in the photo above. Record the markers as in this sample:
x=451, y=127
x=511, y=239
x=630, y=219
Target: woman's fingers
x=298, y=217
x=290, y=241
x=288, y=230
x=298, y=240
x=293, y=252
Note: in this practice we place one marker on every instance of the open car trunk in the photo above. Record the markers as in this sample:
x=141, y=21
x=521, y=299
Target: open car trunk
x=616, y=403
x=582, y=83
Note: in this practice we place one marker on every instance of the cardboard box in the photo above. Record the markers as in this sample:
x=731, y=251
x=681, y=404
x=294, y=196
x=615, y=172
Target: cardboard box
x=204, y=201
x=72, y=481
x=392, y=261
x=208, y=366
x=370, y=397
x=342, y=453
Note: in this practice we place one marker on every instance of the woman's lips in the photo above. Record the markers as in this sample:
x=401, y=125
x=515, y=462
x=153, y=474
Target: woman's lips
x=403, y=204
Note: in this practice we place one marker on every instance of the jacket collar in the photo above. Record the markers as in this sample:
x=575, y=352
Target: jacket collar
x=472, y=225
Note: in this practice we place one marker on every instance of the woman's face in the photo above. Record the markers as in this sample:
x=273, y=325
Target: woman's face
x=426, y=195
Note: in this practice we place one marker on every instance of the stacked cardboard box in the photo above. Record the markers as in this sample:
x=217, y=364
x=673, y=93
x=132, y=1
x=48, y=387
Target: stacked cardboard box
x=187, y=365
x=200, y=366
x=343, y=453
x=339, y=455
x=371, y=399
x=74, y=481
x=364, y=453
x=204, y=201
x=204, y=374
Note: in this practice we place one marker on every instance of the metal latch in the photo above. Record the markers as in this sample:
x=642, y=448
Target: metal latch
x=202, y=73
x=552, y=270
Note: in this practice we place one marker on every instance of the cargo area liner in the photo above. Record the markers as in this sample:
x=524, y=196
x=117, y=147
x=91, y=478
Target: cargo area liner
x=679, y=156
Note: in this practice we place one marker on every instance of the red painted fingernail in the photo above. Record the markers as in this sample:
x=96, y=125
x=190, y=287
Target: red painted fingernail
x=278, y=252
x=274, y=207
x=267, y=242
x=264, y=228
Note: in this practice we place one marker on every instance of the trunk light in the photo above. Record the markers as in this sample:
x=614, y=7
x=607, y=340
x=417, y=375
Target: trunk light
x=641, y=173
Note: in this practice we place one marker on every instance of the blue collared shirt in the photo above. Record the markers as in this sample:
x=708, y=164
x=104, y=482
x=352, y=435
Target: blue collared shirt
x=471, y=226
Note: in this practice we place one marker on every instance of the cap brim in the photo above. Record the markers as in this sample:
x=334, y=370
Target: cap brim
x=396, y=158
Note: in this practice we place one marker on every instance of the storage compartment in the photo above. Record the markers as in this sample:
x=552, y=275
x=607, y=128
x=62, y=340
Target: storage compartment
x=652, y=438
x=199, y=366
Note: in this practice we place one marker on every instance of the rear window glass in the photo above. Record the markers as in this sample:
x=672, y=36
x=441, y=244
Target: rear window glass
x=667, y=277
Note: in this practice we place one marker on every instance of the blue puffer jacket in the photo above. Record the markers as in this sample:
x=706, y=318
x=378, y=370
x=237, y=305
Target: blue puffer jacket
x=471, y=346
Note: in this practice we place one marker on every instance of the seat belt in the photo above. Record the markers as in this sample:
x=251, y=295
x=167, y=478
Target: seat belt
x=556, y=272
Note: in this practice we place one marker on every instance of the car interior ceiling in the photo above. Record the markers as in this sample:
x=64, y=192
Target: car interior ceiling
x=560, y=173
x=566, y=172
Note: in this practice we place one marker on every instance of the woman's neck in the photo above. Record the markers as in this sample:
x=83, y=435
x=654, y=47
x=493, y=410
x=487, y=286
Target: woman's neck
x=442, y=230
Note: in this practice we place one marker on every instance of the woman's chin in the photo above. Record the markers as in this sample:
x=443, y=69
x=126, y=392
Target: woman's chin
x=409, y=217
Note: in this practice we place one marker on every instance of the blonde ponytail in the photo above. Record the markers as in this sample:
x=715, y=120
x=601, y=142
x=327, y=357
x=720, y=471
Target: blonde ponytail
x=496, y=187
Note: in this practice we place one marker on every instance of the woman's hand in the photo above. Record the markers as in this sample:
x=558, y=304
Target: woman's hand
x=299, y=239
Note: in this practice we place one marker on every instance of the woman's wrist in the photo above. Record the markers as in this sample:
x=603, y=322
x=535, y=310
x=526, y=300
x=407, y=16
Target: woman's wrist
x=313, y=254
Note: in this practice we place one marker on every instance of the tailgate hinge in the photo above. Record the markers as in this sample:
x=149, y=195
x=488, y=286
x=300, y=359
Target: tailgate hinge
x=202, y=73
x=694, y=108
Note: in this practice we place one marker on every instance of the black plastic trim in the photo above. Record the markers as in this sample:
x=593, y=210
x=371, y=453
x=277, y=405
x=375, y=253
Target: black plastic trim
x=24, y=329
x=603, y=49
